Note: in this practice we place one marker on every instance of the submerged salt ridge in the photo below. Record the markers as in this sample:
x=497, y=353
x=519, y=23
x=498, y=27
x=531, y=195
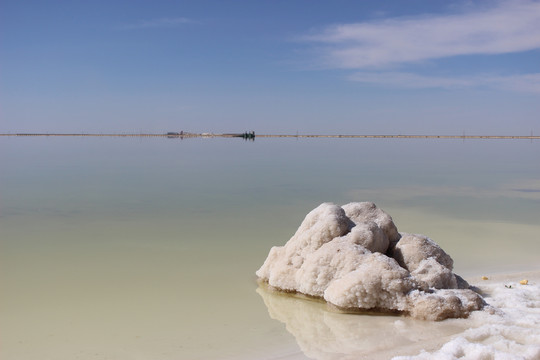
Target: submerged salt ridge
x=354, y=257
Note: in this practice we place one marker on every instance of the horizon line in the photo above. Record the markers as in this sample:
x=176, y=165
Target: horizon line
x=229, y=135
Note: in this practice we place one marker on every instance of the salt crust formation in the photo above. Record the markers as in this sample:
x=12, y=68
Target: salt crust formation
x=509, y=330
x=354, y=258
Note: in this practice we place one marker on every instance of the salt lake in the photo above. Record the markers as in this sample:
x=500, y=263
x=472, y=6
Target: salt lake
x=128, y=248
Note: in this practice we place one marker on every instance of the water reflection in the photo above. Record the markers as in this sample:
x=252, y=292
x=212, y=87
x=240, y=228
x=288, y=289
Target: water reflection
x=323, y=334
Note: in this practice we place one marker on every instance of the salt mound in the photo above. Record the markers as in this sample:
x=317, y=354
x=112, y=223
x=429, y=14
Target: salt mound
x=354, y=257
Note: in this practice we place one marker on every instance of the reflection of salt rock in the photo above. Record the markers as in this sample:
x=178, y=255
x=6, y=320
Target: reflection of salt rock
x=354, y=258
x=326, y=335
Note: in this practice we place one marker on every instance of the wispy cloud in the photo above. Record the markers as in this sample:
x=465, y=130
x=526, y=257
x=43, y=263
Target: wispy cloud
x=376, y=49
x=511, y=26
x=529, y=83
x=160, y=23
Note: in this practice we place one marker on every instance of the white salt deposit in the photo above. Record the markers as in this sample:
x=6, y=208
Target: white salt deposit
x=354, y=258
x=508, y=329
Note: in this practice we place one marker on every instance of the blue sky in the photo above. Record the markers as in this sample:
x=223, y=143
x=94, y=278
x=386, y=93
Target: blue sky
x=282, y=66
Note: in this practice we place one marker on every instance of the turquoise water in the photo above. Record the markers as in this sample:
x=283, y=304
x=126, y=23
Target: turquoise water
x=131, y=248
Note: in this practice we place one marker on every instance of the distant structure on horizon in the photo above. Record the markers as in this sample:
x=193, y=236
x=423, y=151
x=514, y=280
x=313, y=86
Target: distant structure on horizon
x=251, y=135
x=174, y=134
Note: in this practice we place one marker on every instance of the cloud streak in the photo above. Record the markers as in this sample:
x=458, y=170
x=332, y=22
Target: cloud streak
x=160, y=23
x=509, y=27
x=528, y=83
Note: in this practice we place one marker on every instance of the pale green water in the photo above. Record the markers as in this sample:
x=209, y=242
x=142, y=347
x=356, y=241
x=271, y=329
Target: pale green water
x=122, y=248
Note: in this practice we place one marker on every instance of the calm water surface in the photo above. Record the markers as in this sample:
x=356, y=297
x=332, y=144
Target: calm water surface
x=125, y=248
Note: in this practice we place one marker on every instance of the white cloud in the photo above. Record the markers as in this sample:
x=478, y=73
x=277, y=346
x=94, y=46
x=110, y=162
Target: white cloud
x=522, y=83
x=409, y=80
x=511, y=26
x=160, y=23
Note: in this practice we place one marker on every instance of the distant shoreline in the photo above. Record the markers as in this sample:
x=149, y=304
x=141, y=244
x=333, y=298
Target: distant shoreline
x=366, y=136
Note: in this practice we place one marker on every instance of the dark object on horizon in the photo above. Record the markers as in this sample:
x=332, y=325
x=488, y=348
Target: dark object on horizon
x=174, y=134
x=247, y=135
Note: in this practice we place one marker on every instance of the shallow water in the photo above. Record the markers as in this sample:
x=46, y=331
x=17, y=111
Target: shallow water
x=131, y=248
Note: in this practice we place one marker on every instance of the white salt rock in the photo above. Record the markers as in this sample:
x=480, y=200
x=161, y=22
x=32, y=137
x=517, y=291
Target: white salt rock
x=361, y=212
x=368, y=235
x=461, y=282
x=443, y=304
x=377, y=283
x=431, y=274
x=331, y=261
x=341, y=254
x=320, y=226
x=412, y=249
x=277, y=271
